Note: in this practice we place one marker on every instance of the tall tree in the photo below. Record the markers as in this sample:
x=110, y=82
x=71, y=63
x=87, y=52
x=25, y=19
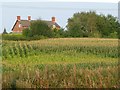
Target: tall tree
x=90, y=24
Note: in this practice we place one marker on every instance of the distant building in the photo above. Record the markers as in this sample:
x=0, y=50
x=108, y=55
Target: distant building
x=20, y=25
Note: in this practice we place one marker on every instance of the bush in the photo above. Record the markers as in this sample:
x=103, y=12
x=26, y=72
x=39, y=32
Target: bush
x=39, y=30
x=114, y=35
x=14, y=37
x=27, y=32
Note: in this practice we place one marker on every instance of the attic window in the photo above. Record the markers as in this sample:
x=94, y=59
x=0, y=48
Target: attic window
x=19, y=25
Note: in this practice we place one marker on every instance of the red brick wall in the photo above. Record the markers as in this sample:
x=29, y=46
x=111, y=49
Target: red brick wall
x=18, y=29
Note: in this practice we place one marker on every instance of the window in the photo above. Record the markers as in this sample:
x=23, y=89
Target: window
x=19, y=25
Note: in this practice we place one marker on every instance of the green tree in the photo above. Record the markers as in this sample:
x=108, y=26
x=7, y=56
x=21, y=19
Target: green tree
x=5, y=32
x=107, y=25
x=38, y=28
x=82, y=24
x=90, y=24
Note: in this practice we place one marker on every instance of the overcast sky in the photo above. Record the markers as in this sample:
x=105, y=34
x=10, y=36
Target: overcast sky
x=45, y=10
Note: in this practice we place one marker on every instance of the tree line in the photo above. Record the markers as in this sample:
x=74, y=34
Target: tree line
x=90, y=24
x=81, y=24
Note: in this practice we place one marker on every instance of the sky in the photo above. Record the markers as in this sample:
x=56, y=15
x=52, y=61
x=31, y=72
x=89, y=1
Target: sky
x=45, y=10
x=119, y=11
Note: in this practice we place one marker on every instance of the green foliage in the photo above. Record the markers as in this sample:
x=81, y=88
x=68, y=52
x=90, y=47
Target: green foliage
x=105, y=49
x=27, y=32
x=38, y=28
x=4, y=32
x=90, y=24
x=114, y=35
x=84, y=24
x=20, y=37
x=60, y=63
x=58, y=33
x=14, y=37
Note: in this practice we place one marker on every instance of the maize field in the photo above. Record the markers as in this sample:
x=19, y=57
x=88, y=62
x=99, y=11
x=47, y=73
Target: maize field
x=61, y=63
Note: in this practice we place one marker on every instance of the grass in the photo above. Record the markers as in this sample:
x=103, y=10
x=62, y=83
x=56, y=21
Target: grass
x=61, y=63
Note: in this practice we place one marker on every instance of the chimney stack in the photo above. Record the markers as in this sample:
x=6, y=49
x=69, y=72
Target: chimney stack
x=53, y=19
x=29, y=18
x=18, y=18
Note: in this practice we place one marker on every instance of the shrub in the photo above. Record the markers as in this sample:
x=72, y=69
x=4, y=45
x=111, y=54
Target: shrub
x=14, y=37
x=114, y=35
x=38, y=28
x=27, y=32
x=17, y=37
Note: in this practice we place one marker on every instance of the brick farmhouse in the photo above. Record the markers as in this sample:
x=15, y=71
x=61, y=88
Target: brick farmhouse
x=20, y=25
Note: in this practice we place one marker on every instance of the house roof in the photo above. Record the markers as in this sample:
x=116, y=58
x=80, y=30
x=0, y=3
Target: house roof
x=26, y=23
x=50, y=23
